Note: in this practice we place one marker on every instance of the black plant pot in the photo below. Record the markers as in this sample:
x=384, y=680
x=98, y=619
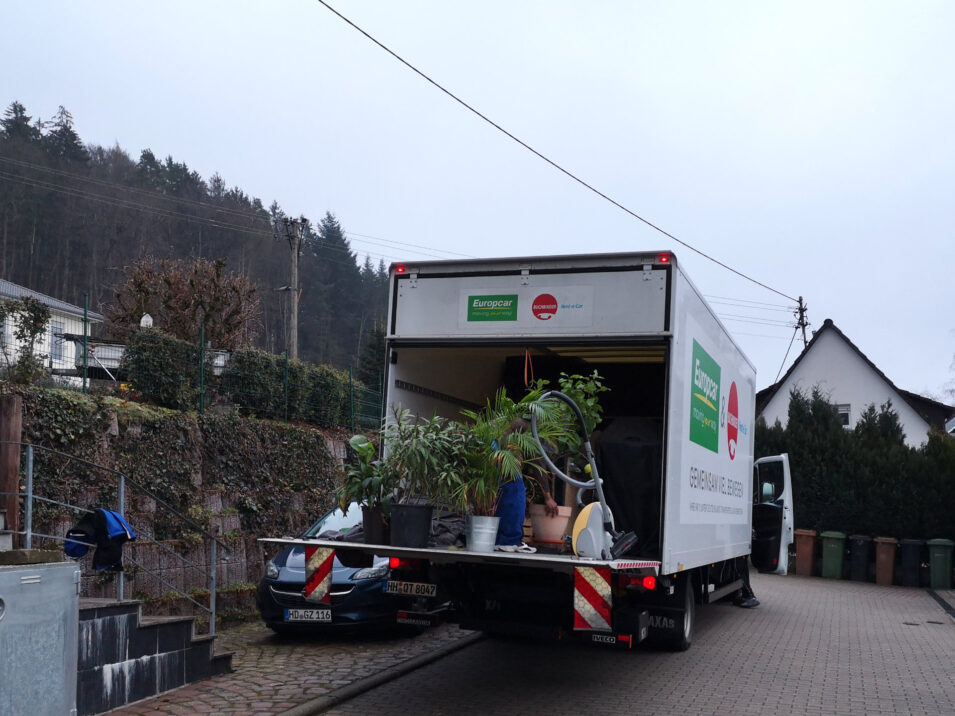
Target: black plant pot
x=411, y=525
x=374, y=526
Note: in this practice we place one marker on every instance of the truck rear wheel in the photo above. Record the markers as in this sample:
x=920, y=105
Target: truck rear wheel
x=682, y=641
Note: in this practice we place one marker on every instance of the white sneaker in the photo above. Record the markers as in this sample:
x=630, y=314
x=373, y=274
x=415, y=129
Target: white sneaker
x=526, y=549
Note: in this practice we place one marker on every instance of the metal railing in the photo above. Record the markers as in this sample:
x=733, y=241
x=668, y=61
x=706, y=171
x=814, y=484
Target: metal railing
x=29, y=497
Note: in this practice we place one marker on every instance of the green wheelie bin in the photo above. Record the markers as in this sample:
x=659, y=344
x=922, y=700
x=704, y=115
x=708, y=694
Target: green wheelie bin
x=833, y=550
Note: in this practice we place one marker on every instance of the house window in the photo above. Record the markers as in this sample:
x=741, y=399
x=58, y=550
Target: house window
x=57, y=343
x=843, y=410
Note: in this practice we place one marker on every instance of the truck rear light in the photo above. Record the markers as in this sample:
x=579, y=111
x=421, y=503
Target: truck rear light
x=400, y=268
x=649, y=583
x=397, y=562
x=663, y=258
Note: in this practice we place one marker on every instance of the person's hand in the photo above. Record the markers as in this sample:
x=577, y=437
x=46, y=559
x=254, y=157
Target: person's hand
x=550, y=506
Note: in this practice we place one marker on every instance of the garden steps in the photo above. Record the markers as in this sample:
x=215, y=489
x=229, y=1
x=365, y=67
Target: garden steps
x=126, y=657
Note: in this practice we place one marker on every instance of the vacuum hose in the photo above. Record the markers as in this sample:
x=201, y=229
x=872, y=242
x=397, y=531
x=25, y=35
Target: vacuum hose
x=595, y=483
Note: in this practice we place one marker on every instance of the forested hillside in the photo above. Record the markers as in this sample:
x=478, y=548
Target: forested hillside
x=74, y=217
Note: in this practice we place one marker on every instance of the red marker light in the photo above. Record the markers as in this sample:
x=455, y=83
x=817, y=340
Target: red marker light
x=395, y=562
x=400, y=268
x=650, y=583
x=664, y=258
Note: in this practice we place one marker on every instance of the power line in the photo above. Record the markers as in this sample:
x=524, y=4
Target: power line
x=795, y=330
x=416, y=246
x=758, y=335
x=546, y=159
x=750, y=307
x=250, y=214
x=711, y=298
x=164, y=213
x=756, y=319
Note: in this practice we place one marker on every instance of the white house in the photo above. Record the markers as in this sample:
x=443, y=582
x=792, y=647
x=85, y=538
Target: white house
x=852, y=383
x=56, y=347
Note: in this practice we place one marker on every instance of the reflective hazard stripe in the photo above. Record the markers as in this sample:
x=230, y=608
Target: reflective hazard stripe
x=318, y=574
x=592, y=599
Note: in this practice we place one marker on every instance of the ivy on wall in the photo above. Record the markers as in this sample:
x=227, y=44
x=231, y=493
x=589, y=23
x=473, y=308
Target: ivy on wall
x=278, y=477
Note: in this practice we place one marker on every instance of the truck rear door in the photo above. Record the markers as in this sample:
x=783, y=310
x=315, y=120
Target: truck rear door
x=772, y=514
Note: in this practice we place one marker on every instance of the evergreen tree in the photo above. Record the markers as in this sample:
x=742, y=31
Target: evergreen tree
x=62, y=142
x=18, y=125
x=371, y=361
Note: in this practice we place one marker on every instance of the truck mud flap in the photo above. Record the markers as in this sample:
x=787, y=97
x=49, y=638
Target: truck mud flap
x=665, y=621
x=632, y=631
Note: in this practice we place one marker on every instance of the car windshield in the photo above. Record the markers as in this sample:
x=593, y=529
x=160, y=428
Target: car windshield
x=335, y=520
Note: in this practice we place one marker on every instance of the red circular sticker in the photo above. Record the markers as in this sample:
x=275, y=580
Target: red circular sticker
x=732, y=421
x=544, y=306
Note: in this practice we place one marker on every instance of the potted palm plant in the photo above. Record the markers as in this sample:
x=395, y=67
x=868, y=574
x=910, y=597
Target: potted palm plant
x=499, y=449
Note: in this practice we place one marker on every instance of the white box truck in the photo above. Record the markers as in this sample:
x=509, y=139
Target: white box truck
x=675, y=450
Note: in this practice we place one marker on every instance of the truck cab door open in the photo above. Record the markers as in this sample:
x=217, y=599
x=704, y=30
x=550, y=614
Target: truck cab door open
x=772, y=514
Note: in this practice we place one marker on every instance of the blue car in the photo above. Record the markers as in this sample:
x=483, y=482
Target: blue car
x=358, y=596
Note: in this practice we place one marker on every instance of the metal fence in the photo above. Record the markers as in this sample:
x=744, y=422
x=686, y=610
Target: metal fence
x=151, y=566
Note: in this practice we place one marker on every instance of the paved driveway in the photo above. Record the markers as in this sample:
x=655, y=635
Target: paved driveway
x=814, y=646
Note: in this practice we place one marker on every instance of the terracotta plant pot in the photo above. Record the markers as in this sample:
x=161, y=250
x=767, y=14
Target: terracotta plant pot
x=549, y=529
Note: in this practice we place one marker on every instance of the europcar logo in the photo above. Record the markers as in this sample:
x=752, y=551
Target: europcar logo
x=492, y=308
x=704, y=400
x=544, y=307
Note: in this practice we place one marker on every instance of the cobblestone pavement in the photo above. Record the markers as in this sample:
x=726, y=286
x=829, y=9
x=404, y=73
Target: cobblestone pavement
x=814, y=646
x=273, y=674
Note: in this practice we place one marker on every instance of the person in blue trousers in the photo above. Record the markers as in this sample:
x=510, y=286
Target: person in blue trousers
x=512, y=506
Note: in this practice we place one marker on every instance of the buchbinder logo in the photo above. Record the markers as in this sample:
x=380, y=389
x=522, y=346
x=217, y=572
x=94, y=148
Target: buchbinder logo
x=544, y=307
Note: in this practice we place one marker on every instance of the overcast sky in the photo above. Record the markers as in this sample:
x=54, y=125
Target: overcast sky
x=810, y=145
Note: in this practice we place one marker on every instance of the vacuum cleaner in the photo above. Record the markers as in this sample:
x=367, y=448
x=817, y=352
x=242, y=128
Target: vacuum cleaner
x=594, y=535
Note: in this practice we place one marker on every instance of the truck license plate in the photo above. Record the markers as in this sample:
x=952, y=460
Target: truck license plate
x=308, y=615
x=416, y=589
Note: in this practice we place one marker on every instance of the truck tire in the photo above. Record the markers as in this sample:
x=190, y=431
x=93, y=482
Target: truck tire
x=685, y=638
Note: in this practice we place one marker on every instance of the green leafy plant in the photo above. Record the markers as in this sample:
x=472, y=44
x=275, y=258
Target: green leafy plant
x=585, y=391
x=368, y=481
x=498, y=445
x=30, y=318
x=424, y=455
x=163, y=369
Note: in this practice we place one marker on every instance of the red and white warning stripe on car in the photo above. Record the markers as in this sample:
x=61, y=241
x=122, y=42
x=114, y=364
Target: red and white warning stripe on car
x=318, y=574
x=592, y=598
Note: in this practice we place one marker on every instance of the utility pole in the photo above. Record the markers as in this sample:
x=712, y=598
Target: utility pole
x=801, y=321
x=295, y=234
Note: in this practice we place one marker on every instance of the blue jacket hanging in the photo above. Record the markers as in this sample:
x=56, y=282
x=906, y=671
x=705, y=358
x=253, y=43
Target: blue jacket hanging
x=104, y=529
